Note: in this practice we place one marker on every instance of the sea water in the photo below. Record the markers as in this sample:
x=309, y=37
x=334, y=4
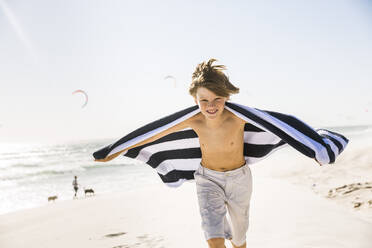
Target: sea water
x=30, y=173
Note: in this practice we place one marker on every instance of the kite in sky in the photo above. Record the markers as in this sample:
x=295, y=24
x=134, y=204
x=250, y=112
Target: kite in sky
x=85, y=94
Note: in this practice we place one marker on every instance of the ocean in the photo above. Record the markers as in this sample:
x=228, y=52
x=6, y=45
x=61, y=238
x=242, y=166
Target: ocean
x=29, y=174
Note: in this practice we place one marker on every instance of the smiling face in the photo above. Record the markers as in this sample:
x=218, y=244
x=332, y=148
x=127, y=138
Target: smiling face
x=211, y=105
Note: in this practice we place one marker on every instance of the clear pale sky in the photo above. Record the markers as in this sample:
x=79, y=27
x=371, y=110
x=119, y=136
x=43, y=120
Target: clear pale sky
x=312, y=59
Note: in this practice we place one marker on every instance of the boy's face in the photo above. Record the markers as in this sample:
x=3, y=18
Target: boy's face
x=211, y=105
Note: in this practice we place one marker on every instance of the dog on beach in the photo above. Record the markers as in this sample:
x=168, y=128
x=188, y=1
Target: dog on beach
x=52, y=198
x=87, y=191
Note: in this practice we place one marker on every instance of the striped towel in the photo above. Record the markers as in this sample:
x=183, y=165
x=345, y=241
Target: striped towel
x=176, y=156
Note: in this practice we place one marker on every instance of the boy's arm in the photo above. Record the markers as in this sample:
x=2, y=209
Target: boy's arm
x=182, y=125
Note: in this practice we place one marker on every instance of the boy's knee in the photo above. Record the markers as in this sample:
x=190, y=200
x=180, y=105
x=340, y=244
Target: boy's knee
x=216, y=243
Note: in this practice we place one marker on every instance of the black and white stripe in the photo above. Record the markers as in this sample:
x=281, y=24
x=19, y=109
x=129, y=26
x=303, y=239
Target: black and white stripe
x=177, y=155
x=318, y=145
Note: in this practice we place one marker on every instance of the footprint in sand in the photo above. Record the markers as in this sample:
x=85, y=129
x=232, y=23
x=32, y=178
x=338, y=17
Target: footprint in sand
x=144, y=241
x=153, y=242
x=113, y=235
x=358, y=191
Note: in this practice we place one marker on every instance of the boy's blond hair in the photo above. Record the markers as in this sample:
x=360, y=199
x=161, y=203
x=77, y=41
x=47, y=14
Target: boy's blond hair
x=211, y=77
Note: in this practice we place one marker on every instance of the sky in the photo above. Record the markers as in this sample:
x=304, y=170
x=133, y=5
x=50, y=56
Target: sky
x=311, y=59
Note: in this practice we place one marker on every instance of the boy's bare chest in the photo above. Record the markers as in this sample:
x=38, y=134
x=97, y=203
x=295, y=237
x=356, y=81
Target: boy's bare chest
x=221, y=147
x=222, y=150
x=224, y=139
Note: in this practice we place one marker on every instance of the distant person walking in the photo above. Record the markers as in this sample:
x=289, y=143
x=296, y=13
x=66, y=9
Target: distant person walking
x=76, y=185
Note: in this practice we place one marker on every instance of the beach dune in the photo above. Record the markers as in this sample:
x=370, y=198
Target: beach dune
x=282, y=215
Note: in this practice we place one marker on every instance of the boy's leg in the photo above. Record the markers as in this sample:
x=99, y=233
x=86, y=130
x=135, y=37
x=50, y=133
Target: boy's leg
x=216, y=243
x=212, y=205
x=240, y=190
x=239, y=221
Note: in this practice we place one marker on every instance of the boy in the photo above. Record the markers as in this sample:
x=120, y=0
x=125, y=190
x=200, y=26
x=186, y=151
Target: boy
x=223, y=178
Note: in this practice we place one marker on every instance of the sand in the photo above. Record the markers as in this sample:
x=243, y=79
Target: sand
x=348, y=182
x=282, y=215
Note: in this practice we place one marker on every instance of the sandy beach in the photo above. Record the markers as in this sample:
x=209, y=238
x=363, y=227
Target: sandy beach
x=282, y=215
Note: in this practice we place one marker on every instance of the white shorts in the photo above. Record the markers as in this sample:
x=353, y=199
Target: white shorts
x=217, y=190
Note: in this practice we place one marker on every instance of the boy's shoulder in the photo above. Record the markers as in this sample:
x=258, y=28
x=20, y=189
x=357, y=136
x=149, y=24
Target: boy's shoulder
x=231, y=117
x=196, y=119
